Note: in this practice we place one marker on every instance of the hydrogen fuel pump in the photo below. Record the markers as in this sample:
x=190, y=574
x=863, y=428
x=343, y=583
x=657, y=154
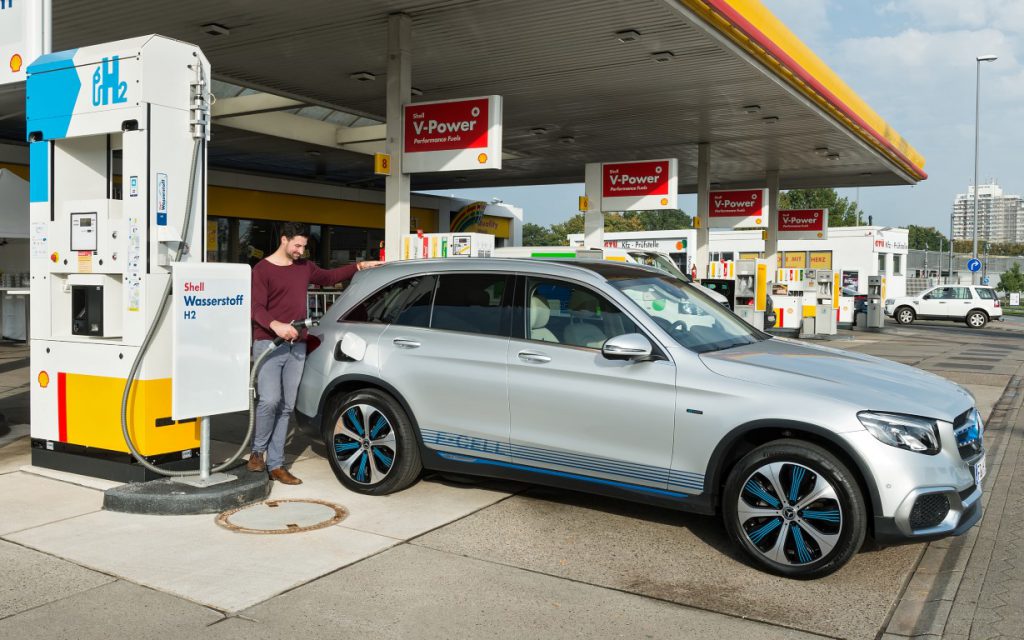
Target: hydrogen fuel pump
x=117, y=144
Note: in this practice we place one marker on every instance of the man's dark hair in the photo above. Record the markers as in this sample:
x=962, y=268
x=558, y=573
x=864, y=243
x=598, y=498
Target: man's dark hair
x=292, y=229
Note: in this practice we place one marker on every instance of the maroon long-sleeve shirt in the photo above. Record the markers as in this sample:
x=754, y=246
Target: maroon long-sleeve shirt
x=279, y=293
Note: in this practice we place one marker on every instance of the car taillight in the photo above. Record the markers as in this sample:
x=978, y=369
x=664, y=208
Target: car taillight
x=997, y=304
x=312, y=342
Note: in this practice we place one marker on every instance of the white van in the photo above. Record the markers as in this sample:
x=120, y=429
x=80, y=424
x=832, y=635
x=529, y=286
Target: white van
x=647, y=257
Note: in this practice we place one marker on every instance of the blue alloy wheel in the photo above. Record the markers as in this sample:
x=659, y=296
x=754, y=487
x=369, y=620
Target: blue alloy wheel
x=789, y=513
x=364, y=444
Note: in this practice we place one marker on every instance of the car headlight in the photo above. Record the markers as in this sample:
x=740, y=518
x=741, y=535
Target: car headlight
x=905, y=432
x=889, y=302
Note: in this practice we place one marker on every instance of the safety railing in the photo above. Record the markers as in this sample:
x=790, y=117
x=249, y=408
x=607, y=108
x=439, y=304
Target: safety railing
x=318, y=301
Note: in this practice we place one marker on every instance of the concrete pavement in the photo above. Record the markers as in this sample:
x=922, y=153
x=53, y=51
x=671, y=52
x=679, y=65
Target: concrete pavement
x=504, y=560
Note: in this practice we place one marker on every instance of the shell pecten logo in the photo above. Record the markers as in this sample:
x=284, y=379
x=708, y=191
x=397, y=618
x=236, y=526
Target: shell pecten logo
x=16, y=63
x=482, y=158
x=664, y=202
x=820, y=234
x=757, y=221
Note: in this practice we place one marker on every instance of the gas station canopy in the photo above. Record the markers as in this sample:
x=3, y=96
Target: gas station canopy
x=581, y=81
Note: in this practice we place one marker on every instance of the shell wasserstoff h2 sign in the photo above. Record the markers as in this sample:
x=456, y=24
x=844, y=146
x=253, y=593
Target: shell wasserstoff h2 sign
x=633, y=186
x=738, y=209
x=803, y=224
x=452, y=135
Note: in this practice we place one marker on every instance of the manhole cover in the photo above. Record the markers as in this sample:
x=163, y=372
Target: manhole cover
x=282, y=516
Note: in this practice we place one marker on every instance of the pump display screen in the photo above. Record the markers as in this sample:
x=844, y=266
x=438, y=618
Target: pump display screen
x=83, y=231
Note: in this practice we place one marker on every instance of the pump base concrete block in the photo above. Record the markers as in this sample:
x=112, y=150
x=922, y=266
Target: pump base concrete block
x=168, y=497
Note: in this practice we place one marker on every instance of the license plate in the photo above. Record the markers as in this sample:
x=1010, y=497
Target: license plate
x=979, y=472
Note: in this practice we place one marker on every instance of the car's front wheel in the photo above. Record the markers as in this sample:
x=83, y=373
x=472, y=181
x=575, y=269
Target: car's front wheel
x=905, y=315
x=371, y=444
x=795, y=509
x=976, y=319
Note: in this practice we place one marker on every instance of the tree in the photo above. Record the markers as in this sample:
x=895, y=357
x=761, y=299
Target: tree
x=1012, y=279
x=612, y=222
x=535, y=235
x=841, y=212
x=927, y=238
x=660, y=220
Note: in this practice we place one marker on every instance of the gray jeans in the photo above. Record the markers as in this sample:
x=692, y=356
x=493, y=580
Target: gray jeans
x=277, y=386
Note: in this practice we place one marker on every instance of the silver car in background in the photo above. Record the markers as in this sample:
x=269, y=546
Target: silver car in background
x=624, y=381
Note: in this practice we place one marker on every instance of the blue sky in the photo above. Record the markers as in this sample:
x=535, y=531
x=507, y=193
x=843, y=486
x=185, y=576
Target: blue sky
x=913, y=61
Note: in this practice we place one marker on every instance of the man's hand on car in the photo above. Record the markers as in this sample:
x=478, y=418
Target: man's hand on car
x=368, y=264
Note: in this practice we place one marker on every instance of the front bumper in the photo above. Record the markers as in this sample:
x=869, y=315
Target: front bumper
x=921, y=497
x=964, y=513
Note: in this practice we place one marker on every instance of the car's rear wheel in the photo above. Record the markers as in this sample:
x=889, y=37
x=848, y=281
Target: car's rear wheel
x=905, y=315
x=976, y=319
x=371, y=444
x=795, y=509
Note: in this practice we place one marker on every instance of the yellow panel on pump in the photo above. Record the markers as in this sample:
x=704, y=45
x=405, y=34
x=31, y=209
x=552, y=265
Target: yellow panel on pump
x=761, y=288
x=90, y=415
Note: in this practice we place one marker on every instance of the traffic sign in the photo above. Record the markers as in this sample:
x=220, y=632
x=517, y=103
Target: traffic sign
x=974, y=265
x=985, y=281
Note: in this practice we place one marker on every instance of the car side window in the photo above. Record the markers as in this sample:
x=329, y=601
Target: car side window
x=960, y=293
x=406, y=303
x=473, y=303
x=986, y=294
x=937, y=294
x=570, y=314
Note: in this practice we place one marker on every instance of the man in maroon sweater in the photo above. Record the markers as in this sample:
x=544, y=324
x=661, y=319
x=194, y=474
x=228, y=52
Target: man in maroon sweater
x=279, y=284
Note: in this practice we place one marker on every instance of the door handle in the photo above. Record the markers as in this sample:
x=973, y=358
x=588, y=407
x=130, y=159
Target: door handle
x=534, y=357
x=405, y=343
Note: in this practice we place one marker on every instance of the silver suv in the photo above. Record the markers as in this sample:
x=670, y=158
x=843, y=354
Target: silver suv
x=622, y=380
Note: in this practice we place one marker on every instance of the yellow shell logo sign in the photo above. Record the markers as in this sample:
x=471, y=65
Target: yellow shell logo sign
x=820, y=234
x=482, y=158
x=757, y=221
x=664, y=202
x=16, y=63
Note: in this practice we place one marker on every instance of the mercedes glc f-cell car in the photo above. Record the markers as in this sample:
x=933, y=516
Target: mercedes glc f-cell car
x=624, y=381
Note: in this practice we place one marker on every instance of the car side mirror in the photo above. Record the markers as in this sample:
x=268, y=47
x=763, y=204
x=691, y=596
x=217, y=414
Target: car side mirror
x=630, y=346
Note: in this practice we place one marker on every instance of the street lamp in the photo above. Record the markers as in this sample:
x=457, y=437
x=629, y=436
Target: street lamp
x=977, y=129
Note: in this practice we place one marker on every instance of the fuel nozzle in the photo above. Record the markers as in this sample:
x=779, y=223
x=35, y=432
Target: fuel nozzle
x=305, y=323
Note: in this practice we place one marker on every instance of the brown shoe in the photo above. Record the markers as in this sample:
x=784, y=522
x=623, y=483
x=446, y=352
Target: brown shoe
x=256, y=462
x=283, y=476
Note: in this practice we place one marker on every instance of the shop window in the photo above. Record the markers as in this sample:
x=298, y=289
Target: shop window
x=897, y=265
x=881, y=263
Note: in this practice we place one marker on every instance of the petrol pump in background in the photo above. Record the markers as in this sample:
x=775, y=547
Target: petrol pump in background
x=876, y=299
x=751, y=291
x=827, y=297
x=744, y=283
x=788, y=298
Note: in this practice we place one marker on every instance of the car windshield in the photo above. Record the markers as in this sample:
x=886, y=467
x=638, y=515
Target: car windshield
x=692, y=319
x=660, y=262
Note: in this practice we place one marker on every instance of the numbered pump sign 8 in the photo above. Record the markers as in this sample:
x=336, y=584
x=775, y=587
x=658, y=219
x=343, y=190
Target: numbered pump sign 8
x=211, y=338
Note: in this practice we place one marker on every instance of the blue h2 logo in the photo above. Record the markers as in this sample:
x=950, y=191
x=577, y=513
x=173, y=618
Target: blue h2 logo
x=107, y=87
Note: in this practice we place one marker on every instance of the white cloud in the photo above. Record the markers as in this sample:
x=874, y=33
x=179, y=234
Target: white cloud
x=1007, y=15
x=935, y=65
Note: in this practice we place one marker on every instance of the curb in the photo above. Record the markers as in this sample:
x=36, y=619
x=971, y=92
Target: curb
x=926, y=604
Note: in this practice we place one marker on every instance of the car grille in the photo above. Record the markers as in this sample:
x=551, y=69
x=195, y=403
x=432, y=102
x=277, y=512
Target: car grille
x=929, y=511
x=969, y=432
